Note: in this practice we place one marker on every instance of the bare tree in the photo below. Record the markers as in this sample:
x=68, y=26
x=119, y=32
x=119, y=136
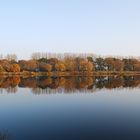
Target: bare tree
x=1, y=56
x=11, y=57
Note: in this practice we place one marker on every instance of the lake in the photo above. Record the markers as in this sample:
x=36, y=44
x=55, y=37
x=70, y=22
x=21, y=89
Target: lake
x=70, y=108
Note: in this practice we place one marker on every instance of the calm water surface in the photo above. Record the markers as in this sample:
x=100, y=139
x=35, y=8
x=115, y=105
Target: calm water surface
x=57, y=113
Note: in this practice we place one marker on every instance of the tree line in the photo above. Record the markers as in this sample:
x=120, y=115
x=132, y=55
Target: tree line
x=46, y=62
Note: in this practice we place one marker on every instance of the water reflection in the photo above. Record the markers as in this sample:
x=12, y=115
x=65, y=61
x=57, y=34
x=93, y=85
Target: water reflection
x=41, y=85
x=114, y=115
x=4, y=136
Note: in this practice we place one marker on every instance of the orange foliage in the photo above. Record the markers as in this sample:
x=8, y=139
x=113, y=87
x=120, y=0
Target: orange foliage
x=45, y=67
x=60, y=67
x=15, y=68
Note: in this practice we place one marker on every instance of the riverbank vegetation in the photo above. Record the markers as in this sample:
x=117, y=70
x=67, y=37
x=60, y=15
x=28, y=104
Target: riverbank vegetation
x=69, y=65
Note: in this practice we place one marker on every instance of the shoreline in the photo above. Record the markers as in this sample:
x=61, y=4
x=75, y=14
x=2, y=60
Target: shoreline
x=71, y=74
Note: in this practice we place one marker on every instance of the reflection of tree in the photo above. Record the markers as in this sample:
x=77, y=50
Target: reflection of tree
x=132, y=81
x=82, y=84
x=4, y=136
x=114, y=82
x=128, y=81
x=9, y=81
x=44, y=82
x=30, y=82
x=99, y=82
x=90, y=82
x=10, y=84
x=43, y=85
x=11, y=89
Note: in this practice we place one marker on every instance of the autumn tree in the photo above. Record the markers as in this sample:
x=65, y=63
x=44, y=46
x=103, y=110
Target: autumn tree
x=83, y=65
x=15, y=68
x=77, y=63
x=45, y=67
x=110, y=63
x=1, y=69
x=60, y=66
x=100, y=64
x=119, y=65
x=90, y=59
x=128, y=64
x=53, y=62
x=6, y=65
x=42, y=60
x=70, y=63
x=90, y=66
x=135, y=64
x=30, y=65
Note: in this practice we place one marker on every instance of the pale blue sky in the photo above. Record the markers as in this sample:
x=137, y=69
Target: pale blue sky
x=106, y=27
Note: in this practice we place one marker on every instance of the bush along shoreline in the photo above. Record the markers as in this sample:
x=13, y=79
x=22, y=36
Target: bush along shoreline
x=56, y=65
